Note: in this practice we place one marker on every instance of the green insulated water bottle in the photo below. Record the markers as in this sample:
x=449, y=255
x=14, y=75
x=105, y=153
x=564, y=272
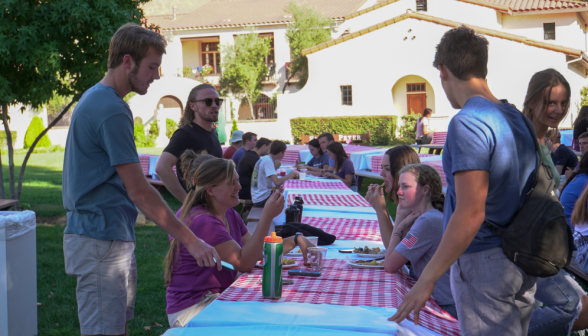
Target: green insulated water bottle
x=273, y=250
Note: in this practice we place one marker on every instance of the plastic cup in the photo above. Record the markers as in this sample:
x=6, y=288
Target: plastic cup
x=313, y=240
x=317, y=257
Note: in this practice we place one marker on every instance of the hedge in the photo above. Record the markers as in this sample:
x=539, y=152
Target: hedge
x=382, y=128
x=3, y=138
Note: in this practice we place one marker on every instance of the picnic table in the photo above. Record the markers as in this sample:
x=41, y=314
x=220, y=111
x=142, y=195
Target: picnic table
x=342, y=300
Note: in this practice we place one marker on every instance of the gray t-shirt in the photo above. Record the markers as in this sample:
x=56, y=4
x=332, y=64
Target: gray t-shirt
x=420, y=245
x=100, y=137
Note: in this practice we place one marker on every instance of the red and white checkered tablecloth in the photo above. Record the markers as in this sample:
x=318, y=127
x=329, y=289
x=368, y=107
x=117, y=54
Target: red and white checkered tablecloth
x=291, y=157
x=298, y=184
x=439, y=138
x=341, y=285
x=330, y=200
x=347, y=229
x=438, y=165
x=144, y=159
x=377, y=161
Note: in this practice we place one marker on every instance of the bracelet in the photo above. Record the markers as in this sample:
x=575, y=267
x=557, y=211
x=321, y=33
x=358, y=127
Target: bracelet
x=296, y=238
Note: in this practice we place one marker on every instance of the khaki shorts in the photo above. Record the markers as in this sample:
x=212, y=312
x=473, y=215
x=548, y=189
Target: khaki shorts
x=107, y=282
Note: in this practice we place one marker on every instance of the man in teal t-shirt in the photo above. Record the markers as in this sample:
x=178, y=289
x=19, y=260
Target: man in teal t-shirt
x=102, y=183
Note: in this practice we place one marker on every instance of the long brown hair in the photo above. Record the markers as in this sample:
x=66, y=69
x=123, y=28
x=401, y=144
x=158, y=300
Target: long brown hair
x=188, y=115
x=340, y=155
x=539, y=90
x=426, y=112
x=582, y=169
x=189, y=162
x=583, y=114
x=400, y=156
x=427, y=175
x=580, y=213
x=211, y=172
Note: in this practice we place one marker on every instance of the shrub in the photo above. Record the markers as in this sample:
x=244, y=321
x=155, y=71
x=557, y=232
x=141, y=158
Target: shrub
x=35, y=128
x=407, y=130
x=170, y=127
x=3, y=143
x=234, y=128
x=154, y=130
x=141, y=140
x=382, y=128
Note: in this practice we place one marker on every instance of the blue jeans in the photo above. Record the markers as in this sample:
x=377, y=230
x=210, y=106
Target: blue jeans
x=560, y=295
x=493, y=295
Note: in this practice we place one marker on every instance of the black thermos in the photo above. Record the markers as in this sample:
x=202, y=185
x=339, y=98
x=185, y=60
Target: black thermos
x=292, y=214
x=299, y=202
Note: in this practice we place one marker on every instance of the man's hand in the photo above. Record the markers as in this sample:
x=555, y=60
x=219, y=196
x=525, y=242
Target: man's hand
x=415, y=299
x=204, y=254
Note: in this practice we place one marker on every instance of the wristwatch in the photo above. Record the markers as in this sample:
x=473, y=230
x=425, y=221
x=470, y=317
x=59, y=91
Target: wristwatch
x=296, y=238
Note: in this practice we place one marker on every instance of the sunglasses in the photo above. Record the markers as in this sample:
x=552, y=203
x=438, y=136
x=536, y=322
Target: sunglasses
x=208, y=101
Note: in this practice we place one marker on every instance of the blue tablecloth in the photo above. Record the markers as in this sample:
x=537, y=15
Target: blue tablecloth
x=566, y=137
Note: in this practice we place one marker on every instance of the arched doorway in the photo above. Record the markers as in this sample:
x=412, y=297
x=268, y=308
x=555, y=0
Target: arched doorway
x=170, y=102
x=412, y=94
x=263, y=108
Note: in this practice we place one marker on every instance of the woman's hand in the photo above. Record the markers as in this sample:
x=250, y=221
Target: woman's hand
x=375, y=197
x=330, y=174
x=401, y=213
x=274, y=205
x=304, y=244
x=403, y=227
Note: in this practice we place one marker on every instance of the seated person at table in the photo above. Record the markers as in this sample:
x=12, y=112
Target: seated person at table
x=208, y=212
x=344, y=169
x=247, y=164
x=319, y=161
x=393, y=161
x=326, y=139
x=574, y=187
x=563, y=158
x=265, y=176
x=249, y=142
x=236, y=141
x=419, y=228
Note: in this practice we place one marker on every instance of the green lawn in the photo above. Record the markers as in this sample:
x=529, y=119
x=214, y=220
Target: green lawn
x=56, y=290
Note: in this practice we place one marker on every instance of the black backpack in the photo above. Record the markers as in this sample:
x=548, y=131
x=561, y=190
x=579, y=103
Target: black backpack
x=539, y=239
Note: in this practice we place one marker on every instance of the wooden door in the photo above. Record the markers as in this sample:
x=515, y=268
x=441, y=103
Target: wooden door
x=417, y=102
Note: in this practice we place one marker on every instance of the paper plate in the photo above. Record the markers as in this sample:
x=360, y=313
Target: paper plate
x=294, y=253
x=372, y=256
x=353, y=265
x=260, y=265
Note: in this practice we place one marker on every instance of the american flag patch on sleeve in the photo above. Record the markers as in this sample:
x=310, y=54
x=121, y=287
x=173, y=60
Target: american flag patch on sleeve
x=409, y=240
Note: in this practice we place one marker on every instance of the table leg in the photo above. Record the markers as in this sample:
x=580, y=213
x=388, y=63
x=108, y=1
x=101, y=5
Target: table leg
x=359, y=181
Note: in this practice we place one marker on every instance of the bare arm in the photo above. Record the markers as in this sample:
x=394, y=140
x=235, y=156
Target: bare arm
x=471, y=189
x=560, y=169
x=164, y=170
x=278, y=181
x=394, y=260
x=149, y=201
x=375, y=197
x=347, y=180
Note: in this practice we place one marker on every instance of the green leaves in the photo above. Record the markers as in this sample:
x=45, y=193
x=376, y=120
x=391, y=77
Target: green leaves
x=42, y=42
x=309, y=28
x=243, y=65
x=382, y=128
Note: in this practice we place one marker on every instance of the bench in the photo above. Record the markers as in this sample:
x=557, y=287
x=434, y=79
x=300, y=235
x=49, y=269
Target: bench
x=7, y=204
x=436, y=144
x=305, y=139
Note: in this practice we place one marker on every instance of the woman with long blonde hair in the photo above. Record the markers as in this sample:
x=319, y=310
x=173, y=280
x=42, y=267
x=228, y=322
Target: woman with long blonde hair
x=208, y=212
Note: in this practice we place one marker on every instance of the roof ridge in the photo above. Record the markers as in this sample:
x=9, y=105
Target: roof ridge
x=449, y=23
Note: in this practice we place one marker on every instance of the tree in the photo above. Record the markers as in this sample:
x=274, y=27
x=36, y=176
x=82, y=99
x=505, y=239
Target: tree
x=35, y=128
x=243, y=66
x=309, y=28
x=56, y=46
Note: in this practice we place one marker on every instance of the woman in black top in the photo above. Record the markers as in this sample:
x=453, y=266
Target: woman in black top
x=580, y=126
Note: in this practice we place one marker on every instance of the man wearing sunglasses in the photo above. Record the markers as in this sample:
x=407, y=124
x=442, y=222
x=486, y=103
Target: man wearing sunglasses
x=195, y=132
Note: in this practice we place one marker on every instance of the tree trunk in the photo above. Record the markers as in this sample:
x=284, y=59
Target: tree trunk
x=10, y=151
x=26, y=159
x=2, y=191
x=250, y=105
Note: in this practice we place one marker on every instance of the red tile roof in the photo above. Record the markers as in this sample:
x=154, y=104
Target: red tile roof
x=539, y=5
x=224, y=14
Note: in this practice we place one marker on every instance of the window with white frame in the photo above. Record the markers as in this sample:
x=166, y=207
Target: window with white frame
x=346, y=95
x=211, y=56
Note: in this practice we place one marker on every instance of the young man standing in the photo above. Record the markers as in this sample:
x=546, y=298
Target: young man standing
x=265, y=175
x=247, y=164
x=236, y=141
x=195, y=132
x=489, y=158
x=102, y=183
x=249, y=141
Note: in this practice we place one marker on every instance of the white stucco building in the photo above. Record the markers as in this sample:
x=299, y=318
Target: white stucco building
x=382, y=63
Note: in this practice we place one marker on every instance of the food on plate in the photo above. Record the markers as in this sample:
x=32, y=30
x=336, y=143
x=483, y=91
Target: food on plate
x=287, y=261
x=367, y=250
x=369, y=262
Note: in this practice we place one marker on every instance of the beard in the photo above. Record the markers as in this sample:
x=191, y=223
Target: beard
x=135, y=83
x=206, y=117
